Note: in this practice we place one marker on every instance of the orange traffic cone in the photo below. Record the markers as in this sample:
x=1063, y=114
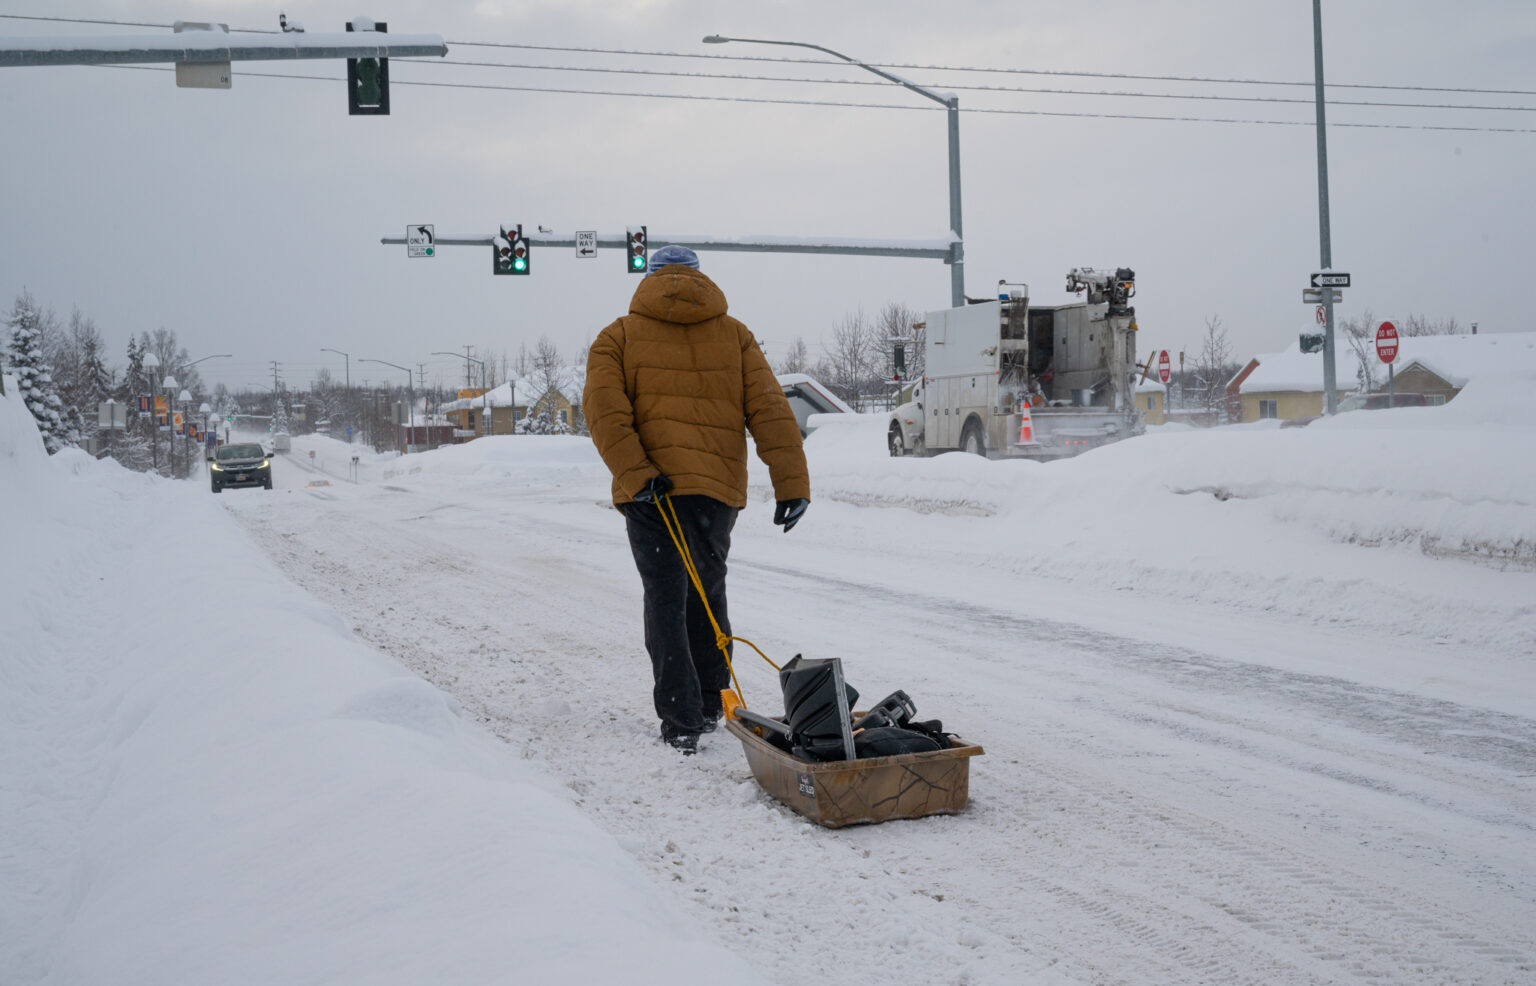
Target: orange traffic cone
x=1026, y=428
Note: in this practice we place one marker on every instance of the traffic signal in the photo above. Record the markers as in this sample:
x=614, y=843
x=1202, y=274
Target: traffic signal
x=510, y=251
x=638, y=262
x=1311, y=343
x=368, y=81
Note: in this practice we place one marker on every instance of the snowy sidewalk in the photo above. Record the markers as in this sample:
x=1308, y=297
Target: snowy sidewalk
x=207, y=778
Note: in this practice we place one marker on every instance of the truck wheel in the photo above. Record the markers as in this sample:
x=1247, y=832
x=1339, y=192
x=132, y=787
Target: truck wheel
x=894, y=442
x=971, y=439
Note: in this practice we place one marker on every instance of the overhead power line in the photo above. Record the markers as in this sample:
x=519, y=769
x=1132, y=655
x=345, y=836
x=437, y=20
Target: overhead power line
x=974, y=68
x=872, y=106
x=889, y=65
x=943, y=85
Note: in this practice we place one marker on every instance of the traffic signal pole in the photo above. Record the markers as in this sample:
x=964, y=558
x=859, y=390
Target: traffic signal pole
x=936, y=249
x=204, y=47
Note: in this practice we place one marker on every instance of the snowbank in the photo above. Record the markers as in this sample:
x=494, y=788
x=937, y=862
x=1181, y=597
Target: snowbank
x=1457, y=479
x=206, y=777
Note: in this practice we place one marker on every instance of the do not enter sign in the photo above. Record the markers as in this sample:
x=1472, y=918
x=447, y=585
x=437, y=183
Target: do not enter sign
x=1164, y=367
x=1386, y=342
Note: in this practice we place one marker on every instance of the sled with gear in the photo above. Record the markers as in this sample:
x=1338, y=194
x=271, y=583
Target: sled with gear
x=842, y=767
x=832, y=764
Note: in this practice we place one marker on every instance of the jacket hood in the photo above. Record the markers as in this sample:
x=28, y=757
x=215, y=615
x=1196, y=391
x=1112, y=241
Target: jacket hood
x=680, y=295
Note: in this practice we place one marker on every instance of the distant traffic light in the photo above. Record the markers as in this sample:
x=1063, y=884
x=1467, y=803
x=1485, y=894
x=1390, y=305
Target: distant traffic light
x=510, y=251
x=638, y=261
x=1311, y=343
x=368, y=81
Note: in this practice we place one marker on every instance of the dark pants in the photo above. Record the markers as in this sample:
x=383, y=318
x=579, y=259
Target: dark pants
x=688, y=667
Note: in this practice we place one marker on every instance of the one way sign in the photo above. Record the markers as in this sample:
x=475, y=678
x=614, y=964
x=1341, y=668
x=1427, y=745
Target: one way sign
x=1328, y=279
x=586, y=243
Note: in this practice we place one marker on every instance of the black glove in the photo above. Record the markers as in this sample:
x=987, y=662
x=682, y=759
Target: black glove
x=789, y=512
x=654, y=489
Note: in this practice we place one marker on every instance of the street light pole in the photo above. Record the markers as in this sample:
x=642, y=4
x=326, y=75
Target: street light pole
x=348, y=364
x=410, y=391
x=170, y=409
x=484, y=395
x=951, y=104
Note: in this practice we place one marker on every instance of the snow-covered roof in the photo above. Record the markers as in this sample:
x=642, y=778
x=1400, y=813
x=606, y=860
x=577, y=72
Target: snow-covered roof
x=500, y=396
x=1286, y=371
x=1457, y=359
x=787, y=380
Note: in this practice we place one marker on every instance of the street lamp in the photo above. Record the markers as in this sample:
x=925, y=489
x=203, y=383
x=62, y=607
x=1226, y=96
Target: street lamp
x=410, y=394
x=206, y=410
x=170, y=384
x=950, y=102
x=171, y=381
x=151, y=363
x=348, y=363
x=485, y=396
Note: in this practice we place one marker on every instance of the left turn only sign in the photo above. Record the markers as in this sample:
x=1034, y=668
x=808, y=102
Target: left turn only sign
x=420, y=241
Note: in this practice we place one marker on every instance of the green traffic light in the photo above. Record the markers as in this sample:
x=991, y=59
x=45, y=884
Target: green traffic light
x=520, y=263
x=639, y=262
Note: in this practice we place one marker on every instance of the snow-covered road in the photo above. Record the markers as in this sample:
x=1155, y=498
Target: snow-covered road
x=1176, y=787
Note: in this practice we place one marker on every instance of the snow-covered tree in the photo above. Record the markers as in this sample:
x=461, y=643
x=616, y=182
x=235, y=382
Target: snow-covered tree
x=540, y=423
x=280, y=412
x=1359, y=335
x=1213, y=366
x=34, y=378
x=551, y=380
x=81, y=374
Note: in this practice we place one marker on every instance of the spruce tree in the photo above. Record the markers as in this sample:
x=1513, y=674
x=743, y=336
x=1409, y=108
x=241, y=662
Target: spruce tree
x=34, y=379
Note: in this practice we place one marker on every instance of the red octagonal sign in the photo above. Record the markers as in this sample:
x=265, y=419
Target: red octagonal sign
x=1386, y=342
x=1164, y=367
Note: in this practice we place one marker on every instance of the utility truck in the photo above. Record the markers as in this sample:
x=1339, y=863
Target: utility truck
x=1006, y=379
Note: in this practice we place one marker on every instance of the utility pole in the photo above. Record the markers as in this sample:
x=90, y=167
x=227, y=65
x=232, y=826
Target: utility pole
x=426, y=408
x=1330, y=395
x=468, y=355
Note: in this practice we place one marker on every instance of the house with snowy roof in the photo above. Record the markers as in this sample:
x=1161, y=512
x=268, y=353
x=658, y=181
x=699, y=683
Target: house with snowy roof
x=510, y=406
x=1289, y=384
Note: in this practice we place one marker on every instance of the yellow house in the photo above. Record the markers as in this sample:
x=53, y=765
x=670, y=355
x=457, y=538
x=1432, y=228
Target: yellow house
x=518, y=402
x=466, y=412
x=1282, y=386
x=1150, y=397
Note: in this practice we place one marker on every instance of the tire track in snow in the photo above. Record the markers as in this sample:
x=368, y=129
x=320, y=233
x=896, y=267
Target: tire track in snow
x=1058, y=871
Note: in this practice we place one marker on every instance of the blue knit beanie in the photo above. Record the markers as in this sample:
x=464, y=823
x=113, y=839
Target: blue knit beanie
x=672, y=254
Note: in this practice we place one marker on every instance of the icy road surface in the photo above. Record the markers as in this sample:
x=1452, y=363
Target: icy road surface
x=1180, y=785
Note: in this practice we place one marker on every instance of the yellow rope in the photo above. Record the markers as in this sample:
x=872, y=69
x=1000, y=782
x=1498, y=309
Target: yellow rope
x=721, y=638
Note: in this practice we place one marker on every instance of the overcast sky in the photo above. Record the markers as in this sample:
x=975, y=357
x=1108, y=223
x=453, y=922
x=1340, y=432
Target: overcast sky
x=249, y=220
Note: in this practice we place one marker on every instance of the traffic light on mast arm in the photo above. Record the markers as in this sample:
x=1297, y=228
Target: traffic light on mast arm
x=368, y=81
x=638, y=262
x=510, y=251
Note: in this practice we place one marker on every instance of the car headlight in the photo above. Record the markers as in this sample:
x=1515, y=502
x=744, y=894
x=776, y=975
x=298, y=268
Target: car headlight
x=215, y=467
x=265, y=463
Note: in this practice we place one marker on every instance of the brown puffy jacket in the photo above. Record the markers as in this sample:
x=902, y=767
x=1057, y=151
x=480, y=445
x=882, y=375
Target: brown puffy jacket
x=674, y=386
